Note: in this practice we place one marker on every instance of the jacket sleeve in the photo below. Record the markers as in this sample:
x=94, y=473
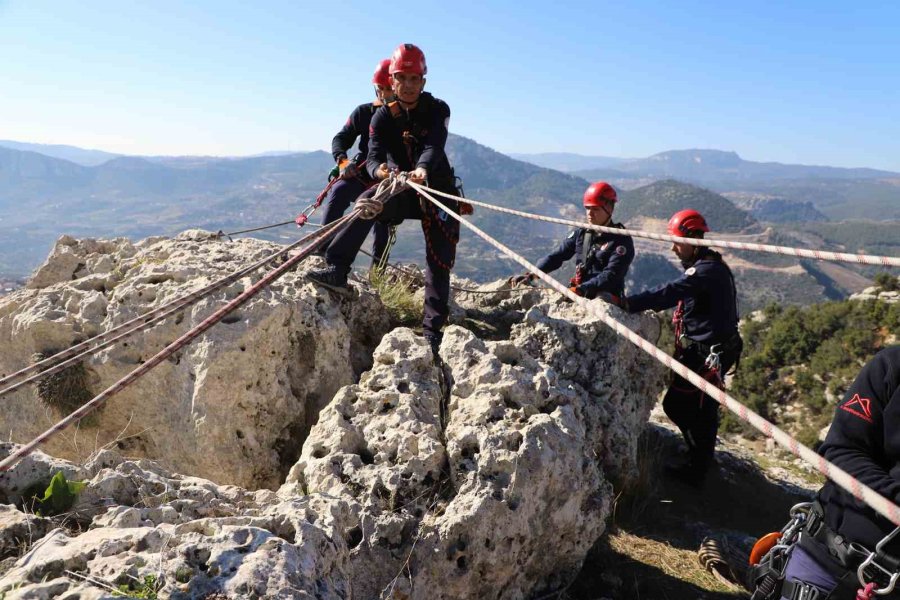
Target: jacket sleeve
x=436, y=138
x=855, y=441
x=344, y=139
x=378, y=152
x=616, y=269
x=667, y=295
x=563, y=252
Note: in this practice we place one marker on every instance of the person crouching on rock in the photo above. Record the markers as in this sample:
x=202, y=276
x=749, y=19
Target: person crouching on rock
x=407, y=135
x=601, y=259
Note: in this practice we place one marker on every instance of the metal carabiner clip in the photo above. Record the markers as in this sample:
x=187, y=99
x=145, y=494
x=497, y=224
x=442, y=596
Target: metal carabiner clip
x=870, y=562
x=713, y=362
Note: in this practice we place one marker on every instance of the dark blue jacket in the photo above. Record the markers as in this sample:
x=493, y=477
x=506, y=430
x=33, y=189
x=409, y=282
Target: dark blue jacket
x=710, y=299
x=357, y=125
x=409, y=139
x=606, y=264
x=864, y=440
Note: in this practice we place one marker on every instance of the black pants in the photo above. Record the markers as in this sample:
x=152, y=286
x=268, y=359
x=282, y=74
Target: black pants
x=339, y=198
x=695, y=413
x=441, y=235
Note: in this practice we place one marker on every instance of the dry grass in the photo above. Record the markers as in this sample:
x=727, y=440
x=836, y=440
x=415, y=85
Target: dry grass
x=671, y=561
x=397, y=292
x=65, y=391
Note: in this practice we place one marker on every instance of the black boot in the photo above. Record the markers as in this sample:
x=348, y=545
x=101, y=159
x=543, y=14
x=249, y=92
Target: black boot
x=332, y=277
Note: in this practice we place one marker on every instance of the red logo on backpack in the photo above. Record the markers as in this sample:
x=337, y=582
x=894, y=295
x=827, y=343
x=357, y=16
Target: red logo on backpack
x=861, y=407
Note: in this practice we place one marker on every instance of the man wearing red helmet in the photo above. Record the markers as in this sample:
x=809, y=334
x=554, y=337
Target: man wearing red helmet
x=706, y=338
x=601, y=259
x=352, y=173
x=408, y=135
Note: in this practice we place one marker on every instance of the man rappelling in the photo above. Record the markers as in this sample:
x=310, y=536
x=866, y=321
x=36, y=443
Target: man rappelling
x=706, y=339
x=601, y=259
x=407, y=135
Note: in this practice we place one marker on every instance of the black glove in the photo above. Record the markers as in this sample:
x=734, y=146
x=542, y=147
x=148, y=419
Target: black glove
x=613, y=299
x=349, y=171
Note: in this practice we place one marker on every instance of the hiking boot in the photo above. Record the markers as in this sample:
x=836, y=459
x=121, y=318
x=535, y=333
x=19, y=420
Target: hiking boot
x=333, y=278
x=434, y=340
x=688, y=472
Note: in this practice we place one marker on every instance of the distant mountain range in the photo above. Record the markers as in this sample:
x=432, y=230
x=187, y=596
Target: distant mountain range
x=80, y=156
x=692, y=165
x=42, y=197
x=567, y=161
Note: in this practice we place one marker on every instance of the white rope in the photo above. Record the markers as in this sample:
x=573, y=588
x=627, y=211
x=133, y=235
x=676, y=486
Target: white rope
x=862, y=259
x=859, y=490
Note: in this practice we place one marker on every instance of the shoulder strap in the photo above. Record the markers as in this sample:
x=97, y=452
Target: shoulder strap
x=586, y=242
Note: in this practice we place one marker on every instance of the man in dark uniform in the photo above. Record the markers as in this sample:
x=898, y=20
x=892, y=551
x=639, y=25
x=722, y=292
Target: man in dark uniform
x=408, y=135
x=601, y=259
x=707, y=339
x=864, y=440
x=354, y=179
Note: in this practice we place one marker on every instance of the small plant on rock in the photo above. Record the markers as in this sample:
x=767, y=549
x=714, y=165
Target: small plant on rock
x=58, y=498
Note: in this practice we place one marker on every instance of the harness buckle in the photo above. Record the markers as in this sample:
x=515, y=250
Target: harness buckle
x=805, y=591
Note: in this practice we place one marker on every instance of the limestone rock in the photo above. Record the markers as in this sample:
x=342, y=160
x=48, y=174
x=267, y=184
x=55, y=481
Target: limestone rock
x=33, y=471
x=489, y=474
x=191, y=537
x=505, y=494
x=234, y=405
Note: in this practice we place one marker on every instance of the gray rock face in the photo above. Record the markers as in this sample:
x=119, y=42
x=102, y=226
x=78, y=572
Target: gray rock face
x=235, y=404
x=489, y=475
x=509, y=495
x=190, y=536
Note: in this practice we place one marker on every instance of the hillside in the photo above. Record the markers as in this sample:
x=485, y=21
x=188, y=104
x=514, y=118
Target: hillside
x=42, y=197
x=720, y=166
x=662, y=199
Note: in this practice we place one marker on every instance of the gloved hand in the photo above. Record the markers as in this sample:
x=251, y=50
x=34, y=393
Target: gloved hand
x=369, y=207
x=574, y=290
x=349, y=170
x=334, y=173
x=613, y=299
x=465, y=208
x=418, y=175
x=523, y=279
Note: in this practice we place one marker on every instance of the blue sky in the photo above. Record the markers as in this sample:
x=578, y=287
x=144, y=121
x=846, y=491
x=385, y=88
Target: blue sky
x=800, y=82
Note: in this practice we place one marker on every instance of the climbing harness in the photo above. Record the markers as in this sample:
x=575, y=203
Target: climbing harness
x=768, y=558
x=870, y=573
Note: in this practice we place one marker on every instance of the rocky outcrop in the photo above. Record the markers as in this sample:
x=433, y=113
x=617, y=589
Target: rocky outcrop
x=233, y=406
x=877, y=293
x=489, y=476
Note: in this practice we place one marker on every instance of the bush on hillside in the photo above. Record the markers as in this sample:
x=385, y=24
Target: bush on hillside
x=808, y=357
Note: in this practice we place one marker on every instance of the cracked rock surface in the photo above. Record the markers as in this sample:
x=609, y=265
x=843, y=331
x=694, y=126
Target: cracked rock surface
x=489, y=474
x=234, y=405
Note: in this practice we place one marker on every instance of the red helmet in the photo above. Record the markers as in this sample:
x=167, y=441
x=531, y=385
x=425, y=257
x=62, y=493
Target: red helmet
x=407, y=58
x=599, y=193
x=687, y=223
x=382, y=74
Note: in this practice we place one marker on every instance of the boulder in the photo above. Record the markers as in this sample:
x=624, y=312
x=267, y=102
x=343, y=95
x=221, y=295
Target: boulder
x=235, y=405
